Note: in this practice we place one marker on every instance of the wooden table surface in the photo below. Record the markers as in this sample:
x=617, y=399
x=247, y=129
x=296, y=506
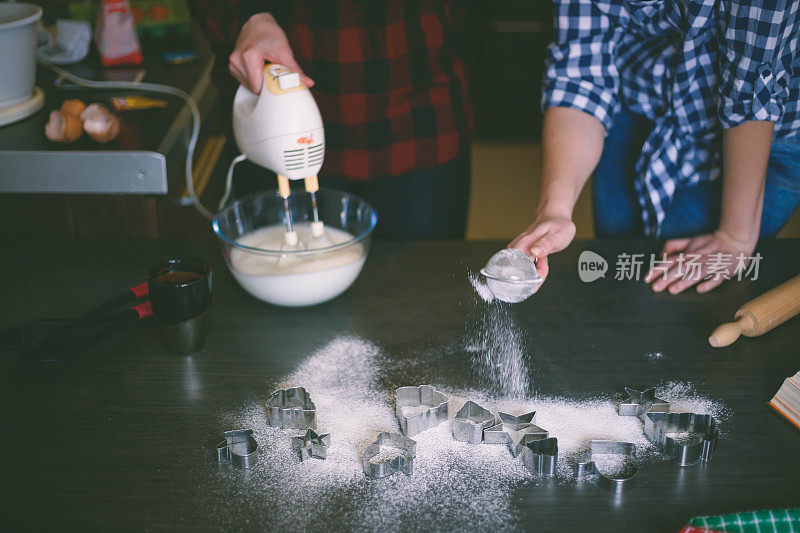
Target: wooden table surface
x=111, y=442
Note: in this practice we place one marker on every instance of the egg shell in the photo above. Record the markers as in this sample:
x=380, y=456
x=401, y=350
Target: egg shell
x=63, y=127
x=100, y=124
x=73, y=106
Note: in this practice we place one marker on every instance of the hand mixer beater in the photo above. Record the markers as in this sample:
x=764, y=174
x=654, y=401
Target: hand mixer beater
x=281, y=130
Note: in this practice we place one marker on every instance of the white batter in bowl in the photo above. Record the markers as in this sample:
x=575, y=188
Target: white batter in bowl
x=251, y=232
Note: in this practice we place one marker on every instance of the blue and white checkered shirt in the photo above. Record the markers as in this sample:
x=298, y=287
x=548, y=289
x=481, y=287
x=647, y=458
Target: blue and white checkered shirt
x=692, y=67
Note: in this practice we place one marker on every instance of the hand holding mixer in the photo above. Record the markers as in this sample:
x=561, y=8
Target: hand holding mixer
x=281, y=130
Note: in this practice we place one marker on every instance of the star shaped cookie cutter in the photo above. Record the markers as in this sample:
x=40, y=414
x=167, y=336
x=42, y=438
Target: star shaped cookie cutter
x=310, y=444
x=470, y=422
x=292, y=408
x=703, y=437
x=615, y=481
x=540, y=456
x=238, y=448
x=424, y=395
x=404, y=462
x=640, y=402
x=514, y=431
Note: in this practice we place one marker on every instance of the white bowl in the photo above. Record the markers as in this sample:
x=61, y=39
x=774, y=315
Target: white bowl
x=300, y=277
x=17, y=51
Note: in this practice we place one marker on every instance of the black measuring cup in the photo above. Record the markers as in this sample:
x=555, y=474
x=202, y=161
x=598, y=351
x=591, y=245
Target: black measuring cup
x=180, y=292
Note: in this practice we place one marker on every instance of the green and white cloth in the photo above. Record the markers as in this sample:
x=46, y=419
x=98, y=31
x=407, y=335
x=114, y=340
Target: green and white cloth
x=768, y=521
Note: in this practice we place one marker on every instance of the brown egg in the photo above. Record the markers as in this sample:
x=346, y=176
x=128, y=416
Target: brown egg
x=99, y=123
x=63, y=127
x=73, y=107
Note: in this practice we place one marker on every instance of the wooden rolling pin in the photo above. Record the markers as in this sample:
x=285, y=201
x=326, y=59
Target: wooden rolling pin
x=760, y=314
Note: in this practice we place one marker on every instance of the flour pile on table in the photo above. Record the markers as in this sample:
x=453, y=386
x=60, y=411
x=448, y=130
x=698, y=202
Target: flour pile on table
x=683, y=398
x=461, y=485
x=452, y=481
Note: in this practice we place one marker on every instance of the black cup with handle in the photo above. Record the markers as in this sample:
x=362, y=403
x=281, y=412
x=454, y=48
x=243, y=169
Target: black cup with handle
x=180, y=292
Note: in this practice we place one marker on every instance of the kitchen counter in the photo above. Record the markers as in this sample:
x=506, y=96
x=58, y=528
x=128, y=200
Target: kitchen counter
x=146, y=158
x=124, y=437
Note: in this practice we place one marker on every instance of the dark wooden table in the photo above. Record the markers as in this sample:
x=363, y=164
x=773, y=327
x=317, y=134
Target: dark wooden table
x=110, y=442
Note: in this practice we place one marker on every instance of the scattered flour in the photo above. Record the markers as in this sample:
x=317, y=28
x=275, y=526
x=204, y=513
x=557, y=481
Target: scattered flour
x=386, y=453
x=455, y=483
x=464, y=486
x=575, y=424
x=684, y=398
x=481, y=289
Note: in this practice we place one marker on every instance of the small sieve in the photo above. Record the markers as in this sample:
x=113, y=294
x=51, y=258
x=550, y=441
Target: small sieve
x=511, y=276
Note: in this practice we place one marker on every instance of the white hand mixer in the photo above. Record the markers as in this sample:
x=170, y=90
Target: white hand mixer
x=281, y=130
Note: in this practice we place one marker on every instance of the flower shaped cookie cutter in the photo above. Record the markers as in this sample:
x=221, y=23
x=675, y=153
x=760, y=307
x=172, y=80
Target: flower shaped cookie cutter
x=403, y=462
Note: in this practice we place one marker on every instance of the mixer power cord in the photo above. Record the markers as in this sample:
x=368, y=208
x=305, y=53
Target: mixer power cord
x=229, y=180
x=162, y=89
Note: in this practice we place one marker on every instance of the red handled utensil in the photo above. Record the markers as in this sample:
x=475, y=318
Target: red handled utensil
x=47, y=342
x=131, y=295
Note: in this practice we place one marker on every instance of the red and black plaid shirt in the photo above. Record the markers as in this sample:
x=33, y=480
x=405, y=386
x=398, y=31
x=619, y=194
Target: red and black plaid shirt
x=389, y=83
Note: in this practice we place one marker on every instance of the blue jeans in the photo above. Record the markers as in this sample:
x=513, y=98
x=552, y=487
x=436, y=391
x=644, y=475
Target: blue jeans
x=694, y=209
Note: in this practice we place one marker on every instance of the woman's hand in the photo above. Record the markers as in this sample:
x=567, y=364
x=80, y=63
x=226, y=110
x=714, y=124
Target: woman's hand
x=745, y=151
x=675, y=274
x=572, y=142
x=260, y=40
x=547, y=234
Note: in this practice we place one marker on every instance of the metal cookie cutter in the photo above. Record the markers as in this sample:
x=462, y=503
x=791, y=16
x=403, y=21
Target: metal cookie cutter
x=702, y=439
x=540, y=456
x=470, y=421
x=238, y=448
x=292, y=408
x=514, y=431
x=618, y=480
x=640, y=402
x=403, y=462
x=424, y=395
x=310, y=444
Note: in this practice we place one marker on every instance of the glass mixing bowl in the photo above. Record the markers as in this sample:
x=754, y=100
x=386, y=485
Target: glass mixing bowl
x=251, y=232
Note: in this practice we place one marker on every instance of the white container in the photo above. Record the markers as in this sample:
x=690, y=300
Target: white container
x=17, y=51
x=252, y=235
x=304, y=288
